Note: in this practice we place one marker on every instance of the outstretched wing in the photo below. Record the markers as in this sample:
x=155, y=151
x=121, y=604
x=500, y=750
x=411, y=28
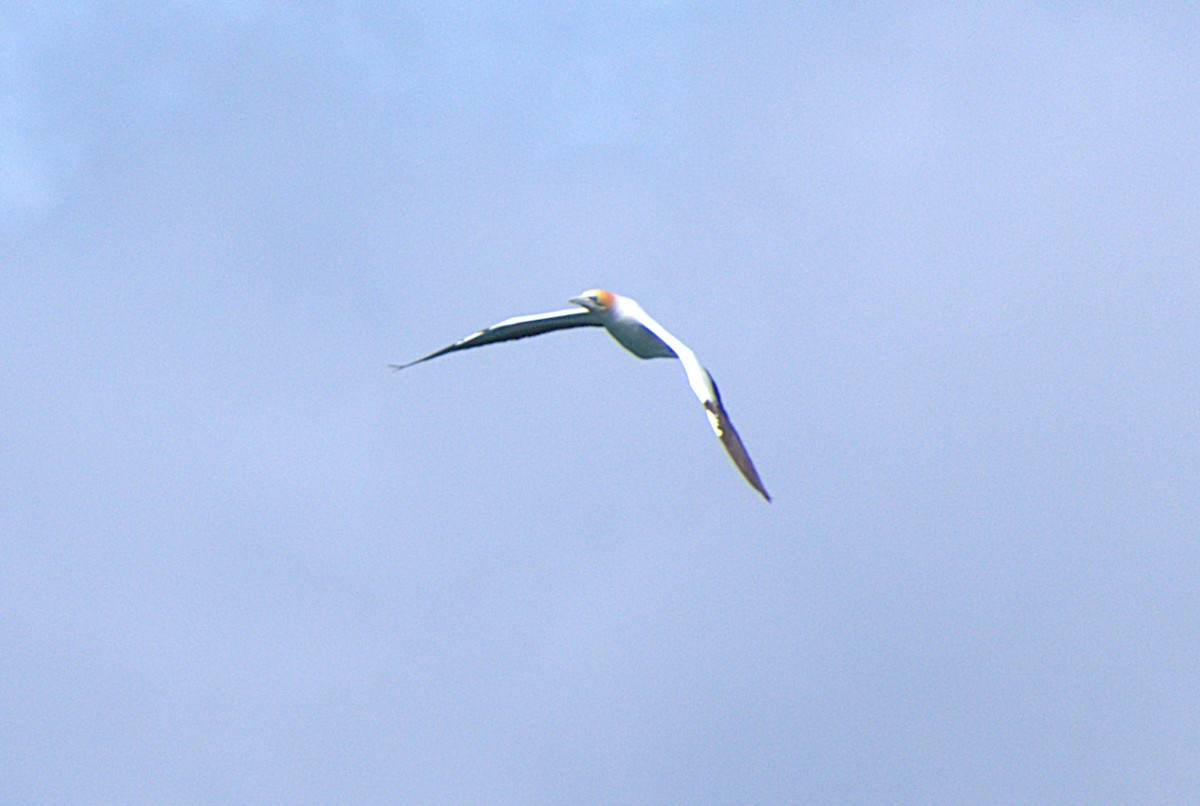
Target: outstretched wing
x=705, y=388
x=518, y=327
x=719, y=419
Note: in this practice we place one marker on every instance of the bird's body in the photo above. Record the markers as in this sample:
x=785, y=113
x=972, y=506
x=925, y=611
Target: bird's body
x=633, y=328
x=638, y=333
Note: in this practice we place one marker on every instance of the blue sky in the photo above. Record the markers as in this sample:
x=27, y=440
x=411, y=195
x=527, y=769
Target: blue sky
x=941, y=260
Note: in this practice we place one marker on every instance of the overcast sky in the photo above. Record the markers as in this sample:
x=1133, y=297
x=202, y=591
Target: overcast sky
x=942, y=261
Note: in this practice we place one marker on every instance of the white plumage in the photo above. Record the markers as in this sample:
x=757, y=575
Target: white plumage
x=638, y=333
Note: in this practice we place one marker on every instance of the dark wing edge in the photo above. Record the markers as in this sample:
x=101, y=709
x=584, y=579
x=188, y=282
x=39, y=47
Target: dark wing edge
x=519, y=327
x=462, y=344
x=732, y=442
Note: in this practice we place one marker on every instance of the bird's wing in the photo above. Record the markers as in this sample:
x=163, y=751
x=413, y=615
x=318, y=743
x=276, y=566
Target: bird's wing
x=518, y=327
x=719, y=419
x=705, y=388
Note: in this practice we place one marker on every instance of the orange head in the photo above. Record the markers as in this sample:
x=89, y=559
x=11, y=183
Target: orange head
x=596, y=299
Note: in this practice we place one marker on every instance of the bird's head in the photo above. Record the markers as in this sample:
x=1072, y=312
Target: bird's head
x=597, y=300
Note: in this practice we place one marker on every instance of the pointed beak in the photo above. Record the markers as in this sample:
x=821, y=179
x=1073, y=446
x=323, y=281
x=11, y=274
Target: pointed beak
x=581, y=302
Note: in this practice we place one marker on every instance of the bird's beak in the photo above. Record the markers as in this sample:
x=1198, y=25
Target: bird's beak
x=581, y=302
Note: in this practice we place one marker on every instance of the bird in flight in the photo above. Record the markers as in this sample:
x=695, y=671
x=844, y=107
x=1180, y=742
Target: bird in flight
x=638, y=333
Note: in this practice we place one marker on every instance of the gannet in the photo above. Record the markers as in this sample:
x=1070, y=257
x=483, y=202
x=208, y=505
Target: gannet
x=638, y=333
